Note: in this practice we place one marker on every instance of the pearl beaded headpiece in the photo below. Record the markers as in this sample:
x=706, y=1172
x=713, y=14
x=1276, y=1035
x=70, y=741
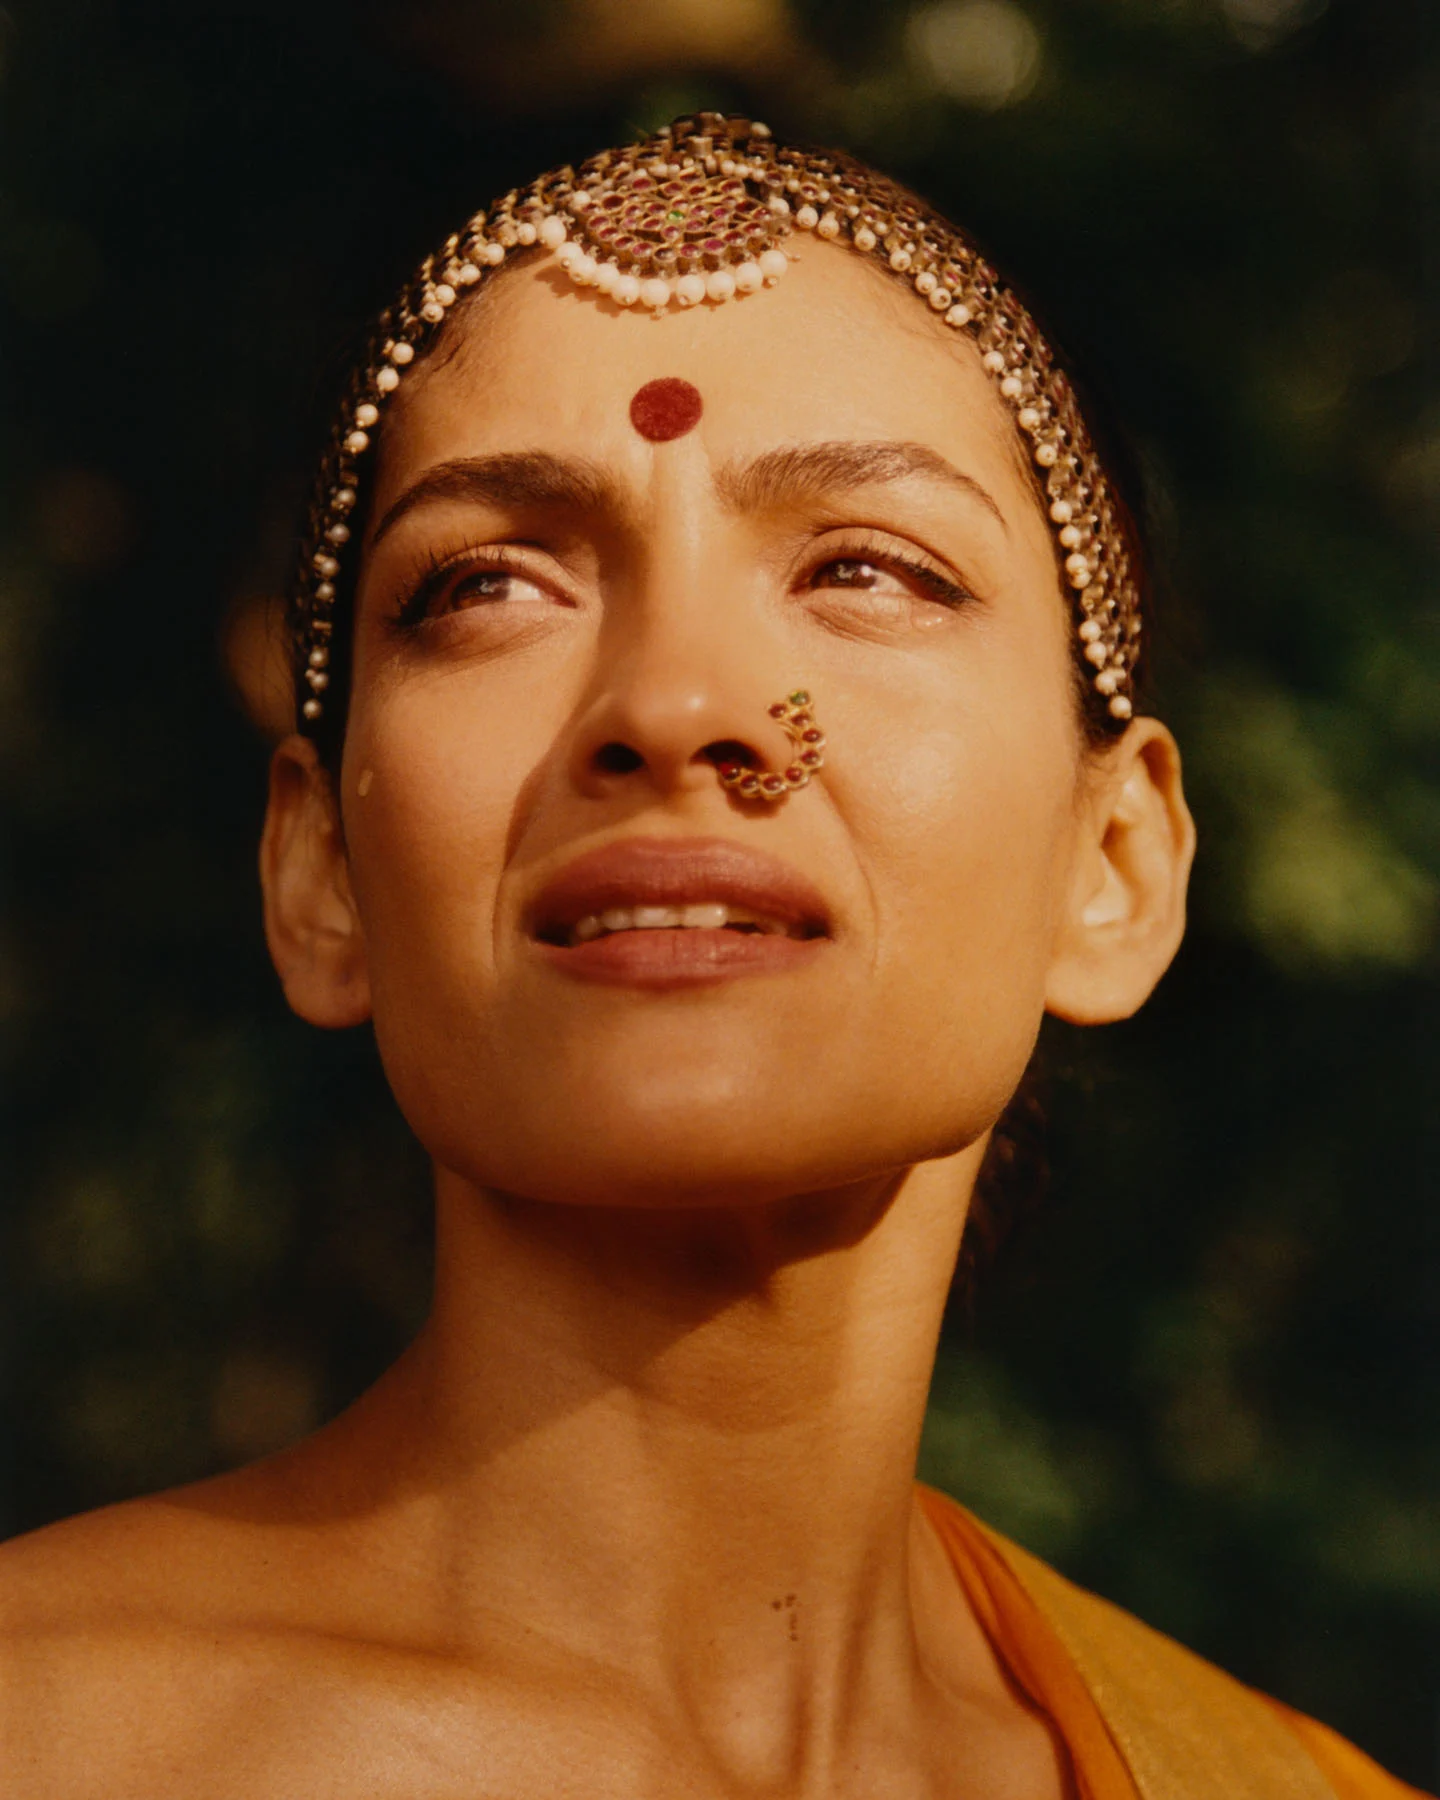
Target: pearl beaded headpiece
x=698, y=214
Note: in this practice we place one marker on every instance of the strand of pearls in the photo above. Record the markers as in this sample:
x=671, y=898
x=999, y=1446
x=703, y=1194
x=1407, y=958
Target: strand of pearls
x=696, y=215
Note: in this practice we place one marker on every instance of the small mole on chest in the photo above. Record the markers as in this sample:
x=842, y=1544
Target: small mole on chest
x=666, y=409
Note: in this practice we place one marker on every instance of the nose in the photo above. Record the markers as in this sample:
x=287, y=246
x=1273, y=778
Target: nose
x=675, y=701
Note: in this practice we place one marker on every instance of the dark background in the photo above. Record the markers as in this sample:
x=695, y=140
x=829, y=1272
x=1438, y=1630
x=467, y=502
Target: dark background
x=1209, y=1385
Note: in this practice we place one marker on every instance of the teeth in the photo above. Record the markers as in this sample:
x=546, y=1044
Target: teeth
x=703, y=916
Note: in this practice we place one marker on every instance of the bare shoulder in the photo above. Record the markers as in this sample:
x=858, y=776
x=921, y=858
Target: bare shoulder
x=214, y=1641
x=100, y=1616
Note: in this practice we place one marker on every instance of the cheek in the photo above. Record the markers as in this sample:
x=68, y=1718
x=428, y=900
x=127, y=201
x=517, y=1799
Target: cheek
x=967, y=819
x=429, y=838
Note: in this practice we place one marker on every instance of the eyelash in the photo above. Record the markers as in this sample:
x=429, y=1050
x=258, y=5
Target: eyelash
x=427, y=582
x=881, y=554
x=424, y=585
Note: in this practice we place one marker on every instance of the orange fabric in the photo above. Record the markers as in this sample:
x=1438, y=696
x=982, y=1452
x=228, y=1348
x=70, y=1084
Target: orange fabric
x=1031, y=1650
x=1349, y=1771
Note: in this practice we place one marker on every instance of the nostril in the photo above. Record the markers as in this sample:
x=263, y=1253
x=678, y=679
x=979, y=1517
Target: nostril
x=727, y=750
x=618, y=759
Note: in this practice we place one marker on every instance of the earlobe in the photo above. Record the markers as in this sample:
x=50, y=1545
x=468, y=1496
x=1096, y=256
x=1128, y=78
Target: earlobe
x=1124, y=914
x=311, y=923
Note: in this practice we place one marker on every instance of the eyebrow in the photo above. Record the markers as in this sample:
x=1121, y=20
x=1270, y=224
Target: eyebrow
x=778, y=478
x=513, y=478
x=804, y=471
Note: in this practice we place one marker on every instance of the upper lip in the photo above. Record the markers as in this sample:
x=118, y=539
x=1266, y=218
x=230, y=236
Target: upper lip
x=656, y=871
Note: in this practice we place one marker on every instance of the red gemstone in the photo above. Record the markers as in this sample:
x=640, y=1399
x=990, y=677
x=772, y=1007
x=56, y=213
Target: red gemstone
x=814, y=737
x=729, y=771
x=794, y=773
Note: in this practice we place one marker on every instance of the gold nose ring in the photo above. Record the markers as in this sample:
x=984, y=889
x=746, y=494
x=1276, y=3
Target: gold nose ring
x=797, y=719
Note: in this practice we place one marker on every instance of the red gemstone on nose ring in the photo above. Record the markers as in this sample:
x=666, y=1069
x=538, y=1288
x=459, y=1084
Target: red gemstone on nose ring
x=761, y=784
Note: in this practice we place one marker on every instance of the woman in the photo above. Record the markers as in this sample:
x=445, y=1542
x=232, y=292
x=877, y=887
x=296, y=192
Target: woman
x=717, y=639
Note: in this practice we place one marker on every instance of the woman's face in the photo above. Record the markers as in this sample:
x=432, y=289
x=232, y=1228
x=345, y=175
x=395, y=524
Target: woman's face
x=562, y=627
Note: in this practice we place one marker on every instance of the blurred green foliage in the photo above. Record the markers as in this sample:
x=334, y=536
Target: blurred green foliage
x=1209, y=1385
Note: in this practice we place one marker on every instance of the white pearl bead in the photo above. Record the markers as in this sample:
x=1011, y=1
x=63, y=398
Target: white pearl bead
x=1070, y=536
x=366, y=413
x=445, y=294
x=940, y=299
x=552, y=232
x=1090, y=631
x=582, y=269
x=1097, y=654
x=1010, y=387
x=1027, y=418
x=356, y=442
x=579, y=200
x=526, y=233
x=324, y=590
x=727, y=165
x=319, y=658
x=864, y=238
x=325, y=565
x=606, y=275
x=432, y=312
x=773, y=264
x=387, y=380
x=720, y=284
x=900, y=260
x=1047, y=455
x=655, y=293
x=467, y=274
x=958, y=315
x=1120, y=707
x=343, y=499
x=1107, y=680
x=1076, y=560
x=829, y=226
x=993, y=361
x=807, y=218
x=339, y=534
x=690, y=290
x=780, y=205
x=311, y=709
x=627, y=290
x=494, y=254
x=1079, y=578
x=1061, y=511
x=748, y=278
x=568, y=254
x=925, y=282
x=402, y=353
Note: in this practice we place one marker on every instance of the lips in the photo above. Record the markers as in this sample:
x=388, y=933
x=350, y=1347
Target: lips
x=669, y=912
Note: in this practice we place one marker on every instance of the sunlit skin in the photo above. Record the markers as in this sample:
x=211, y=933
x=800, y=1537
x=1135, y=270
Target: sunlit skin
x=634, y=1515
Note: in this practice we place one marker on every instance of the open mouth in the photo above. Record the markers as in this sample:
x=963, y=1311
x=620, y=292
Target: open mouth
x=667, y=909
x=704, y=915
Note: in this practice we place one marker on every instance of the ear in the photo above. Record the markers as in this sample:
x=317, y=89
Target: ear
x=1125, y=912
x=311, y=924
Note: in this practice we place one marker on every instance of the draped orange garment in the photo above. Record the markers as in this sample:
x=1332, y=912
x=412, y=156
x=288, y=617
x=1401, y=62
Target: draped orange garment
x=1140, y=1715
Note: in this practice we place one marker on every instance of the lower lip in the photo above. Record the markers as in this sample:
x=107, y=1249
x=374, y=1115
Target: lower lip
x=676, y=959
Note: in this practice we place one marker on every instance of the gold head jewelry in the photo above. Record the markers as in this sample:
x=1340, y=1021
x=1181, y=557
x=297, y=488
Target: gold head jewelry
x=697, y=215
x=796, y=716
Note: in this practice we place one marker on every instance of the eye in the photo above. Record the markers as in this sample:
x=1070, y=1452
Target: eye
x=480, y=586
x=891, y=579
x=494, y=578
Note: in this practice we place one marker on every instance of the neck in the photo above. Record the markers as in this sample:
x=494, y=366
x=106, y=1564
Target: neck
x=681, y=1443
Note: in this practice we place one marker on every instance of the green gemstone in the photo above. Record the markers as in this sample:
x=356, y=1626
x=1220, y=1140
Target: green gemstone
x=799, y=698
x=676, y=218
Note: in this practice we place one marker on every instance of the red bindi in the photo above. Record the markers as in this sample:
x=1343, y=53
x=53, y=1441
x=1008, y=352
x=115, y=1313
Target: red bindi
x=666, y=409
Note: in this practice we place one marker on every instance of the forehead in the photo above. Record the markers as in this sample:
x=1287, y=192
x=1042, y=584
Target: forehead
x=833, y=351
